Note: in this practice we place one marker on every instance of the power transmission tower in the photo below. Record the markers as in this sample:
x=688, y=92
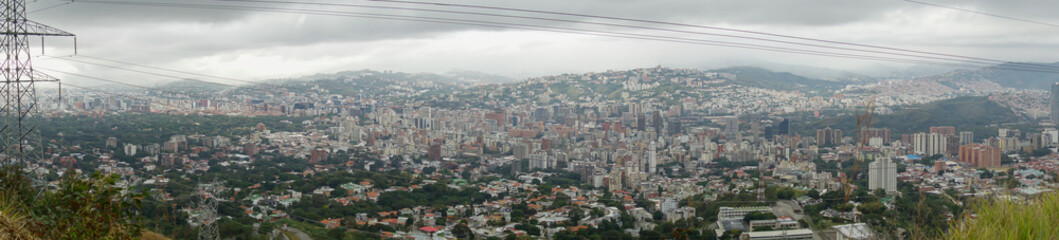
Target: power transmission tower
x=19, y=135
x=207, y=208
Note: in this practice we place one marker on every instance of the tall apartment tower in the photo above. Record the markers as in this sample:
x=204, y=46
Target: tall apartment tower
x=966, y=137
x=929, y=144
x=944, y=130
x=1055, y=102
x=882, y=173
x=652, y=158
x=828, y=136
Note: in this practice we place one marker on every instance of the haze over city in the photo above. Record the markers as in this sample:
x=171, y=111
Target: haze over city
x=470, y=119
x=256, y=45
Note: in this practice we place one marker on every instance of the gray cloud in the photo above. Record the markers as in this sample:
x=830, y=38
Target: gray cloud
x=233, y=43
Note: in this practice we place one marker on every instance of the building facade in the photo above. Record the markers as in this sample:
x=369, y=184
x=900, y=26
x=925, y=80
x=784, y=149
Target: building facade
x=882, y=174
x=979, y=155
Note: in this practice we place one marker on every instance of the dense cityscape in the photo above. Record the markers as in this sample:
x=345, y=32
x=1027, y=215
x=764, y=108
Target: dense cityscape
x=620, y=154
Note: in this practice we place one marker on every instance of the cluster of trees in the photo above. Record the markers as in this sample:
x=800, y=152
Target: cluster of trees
x=915, y=212
x=78, y=208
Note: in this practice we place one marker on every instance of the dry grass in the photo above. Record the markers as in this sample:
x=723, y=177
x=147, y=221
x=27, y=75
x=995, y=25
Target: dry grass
x=1035, y=218
x=149, y=235
x=12, y=223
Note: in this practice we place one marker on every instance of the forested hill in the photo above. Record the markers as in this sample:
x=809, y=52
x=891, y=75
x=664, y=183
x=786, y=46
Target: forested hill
x=962, y=112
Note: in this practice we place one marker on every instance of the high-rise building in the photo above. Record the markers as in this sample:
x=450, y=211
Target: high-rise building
x=731, y=128
x=882, y=174
x=952, y=145
x=656, y=121
x=979, y=155
x=828, y=136
x=652, y=158
x=498, y=117
x=434, y=152
x=784, y=127
x=641, y=122
x=541, y=114
x=944, y=130
x=929, y=144
x=883, y=133
x=1053, y=134
x=673, y=126
x=966, y=137
x=1055, y=102
x=317, y=155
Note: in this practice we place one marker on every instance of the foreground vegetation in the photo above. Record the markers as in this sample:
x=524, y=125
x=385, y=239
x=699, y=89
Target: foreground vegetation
x=1010, y=219
x=77, y=208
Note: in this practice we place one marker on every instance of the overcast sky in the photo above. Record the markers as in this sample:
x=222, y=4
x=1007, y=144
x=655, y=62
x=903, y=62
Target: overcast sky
x=265, y=45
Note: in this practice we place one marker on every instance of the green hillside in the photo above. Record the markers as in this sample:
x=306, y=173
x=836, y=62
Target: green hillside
x=1021, y=79
x=758, y=77
x=964, y=113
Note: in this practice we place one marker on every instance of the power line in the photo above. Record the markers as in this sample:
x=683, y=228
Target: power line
x=68, y=58
x=1035, y=68
x=179, y=71
x=49, y=7
x=688, y=25
x=616, y=25
x=149, y=101
x=145, y=72
x=985, y=13
x=116, y=82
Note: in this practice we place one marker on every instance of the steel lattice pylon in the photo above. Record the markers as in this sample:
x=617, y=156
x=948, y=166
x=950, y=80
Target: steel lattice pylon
x=19, y=135
x=207, y=209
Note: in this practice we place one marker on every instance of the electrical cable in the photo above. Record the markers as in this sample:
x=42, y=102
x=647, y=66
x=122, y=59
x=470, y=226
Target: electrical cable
x=985, y=13
x=687, y=25
x=635, y=27
x=1035, y=68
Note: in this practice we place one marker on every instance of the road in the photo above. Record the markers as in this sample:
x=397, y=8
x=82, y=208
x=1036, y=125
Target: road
x=786, y=208
x=299, y=234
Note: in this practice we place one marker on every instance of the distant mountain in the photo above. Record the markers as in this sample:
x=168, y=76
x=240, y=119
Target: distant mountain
x=904, y=72
x=1020, y=79
x=193, y=85
x=759, y=77
x=478, y=77
x=822, y=73
x=368, y=82
x=962, y=113
x=996, y=78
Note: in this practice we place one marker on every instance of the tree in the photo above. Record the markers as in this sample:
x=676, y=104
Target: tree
x=650, y=235
x=758, y=216
x=530, y=229
x=265, y=227
x=845, y=207
x=461, y=231
x=576, y=215
x=657, y=215
x=814, y=194
x=88, y=208
x=986, y=174
x=879, y=192
x=871, y=208
x=786, y=193
x=337, y=233
x=231, y=229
